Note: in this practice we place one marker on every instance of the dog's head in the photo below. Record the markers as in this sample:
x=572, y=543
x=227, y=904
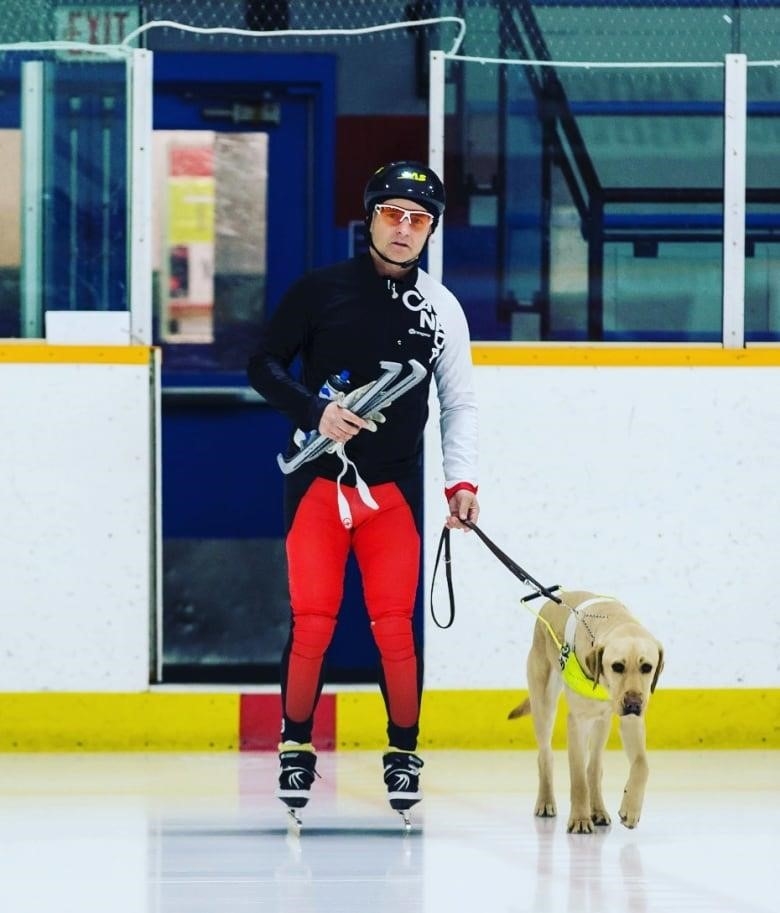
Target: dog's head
x=628, y=666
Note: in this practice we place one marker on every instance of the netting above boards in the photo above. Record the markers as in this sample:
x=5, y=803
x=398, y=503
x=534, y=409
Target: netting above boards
x=299, y=23
x=577, y=30
x=642, y=30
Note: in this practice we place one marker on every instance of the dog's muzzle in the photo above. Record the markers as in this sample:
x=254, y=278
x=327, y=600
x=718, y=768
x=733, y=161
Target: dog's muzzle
x=632, y=705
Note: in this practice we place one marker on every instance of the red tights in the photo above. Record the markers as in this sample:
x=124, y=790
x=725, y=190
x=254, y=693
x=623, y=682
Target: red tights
x=386, y=544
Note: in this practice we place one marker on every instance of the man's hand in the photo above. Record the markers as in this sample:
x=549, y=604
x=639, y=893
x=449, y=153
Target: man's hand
x=463, y=505
x=339, y=424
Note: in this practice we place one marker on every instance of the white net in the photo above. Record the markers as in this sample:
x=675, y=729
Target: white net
x=656, y=30
x=230, y=25
x=580, y=30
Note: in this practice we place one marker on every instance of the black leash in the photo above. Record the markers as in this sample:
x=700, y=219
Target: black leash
x=513, y=566
x=444, y=546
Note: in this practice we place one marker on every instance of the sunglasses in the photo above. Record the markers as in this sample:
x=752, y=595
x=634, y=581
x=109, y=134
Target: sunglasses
x=393, y=216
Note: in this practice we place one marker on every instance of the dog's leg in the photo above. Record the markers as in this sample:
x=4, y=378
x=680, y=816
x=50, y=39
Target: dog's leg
x=632, y=732
x=578, y=732
x=544, y=687
x=598, y=741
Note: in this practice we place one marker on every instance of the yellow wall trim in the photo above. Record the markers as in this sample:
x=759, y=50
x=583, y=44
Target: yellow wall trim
x=726, y=718
x=22, y=352
x=676, y=718
x=620, y=355
x=118, y=722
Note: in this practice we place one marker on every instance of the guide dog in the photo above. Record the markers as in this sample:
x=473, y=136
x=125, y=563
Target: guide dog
x=607, y=663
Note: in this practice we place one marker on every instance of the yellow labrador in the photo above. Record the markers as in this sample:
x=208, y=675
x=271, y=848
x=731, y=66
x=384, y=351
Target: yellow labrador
x=616, y=670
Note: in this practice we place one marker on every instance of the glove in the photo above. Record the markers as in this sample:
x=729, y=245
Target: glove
x=373, y=418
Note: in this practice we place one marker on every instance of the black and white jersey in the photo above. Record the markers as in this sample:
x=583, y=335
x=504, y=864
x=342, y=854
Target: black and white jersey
x=348, y=317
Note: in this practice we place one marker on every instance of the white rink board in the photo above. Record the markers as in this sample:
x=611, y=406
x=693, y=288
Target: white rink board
x=658, y=485
x=77, y=509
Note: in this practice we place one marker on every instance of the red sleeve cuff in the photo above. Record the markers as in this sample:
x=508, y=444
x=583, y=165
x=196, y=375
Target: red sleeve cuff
x=459, y=486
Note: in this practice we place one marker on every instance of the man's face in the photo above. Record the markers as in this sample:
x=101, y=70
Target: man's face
x=400, y=228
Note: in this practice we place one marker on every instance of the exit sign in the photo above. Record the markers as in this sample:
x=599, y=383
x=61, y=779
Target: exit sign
x=95, y=24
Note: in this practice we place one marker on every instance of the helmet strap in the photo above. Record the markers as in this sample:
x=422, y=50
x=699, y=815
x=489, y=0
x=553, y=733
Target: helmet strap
x=404, y=265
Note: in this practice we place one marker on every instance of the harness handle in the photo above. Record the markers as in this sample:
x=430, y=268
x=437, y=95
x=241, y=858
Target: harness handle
x=519, y=572
x=515, y=568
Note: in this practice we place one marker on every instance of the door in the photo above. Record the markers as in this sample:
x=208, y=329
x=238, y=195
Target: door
x=242, y=200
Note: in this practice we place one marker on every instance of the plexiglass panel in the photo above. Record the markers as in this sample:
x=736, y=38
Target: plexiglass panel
x=64, y=154
x=762, y=215
x=587, y=202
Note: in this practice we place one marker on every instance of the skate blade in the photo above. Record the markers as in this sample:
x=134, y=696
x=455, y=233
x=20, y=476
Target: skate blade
x=407, y=819
x=294, y=822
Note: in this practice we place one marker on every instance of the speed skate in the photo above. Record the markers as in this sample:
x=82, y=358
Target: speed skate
x=363, y=402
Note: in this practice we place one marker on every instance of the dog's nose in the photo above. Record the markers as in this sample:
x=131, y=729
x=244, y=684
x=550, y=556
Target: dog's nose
x=632, y=704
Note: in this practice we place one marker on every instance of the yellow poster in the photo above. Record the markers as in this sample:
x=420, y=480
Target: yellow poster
x=190, y=210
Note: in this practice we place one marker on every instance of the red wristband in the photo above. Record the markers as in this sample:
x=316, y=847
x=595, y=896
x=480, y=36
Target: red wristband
x=459, y=486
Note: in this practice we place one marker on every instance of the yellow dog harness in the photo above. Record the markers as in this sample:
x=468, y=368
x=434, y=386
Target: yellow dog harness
x=573, y=674
x=572, y=671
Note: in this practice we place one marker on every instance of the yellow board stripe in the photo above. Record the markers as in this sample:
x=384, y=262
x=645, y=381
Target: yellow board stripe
x=717, y=718
x=614, y=355
x=45, y=353
x=688, y=719
x=119, y=722
x=549, y=354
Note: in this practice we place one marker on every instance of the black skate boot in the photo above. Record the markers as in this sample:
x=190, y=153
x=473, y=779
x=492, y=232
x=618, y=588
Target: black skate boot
x=296, y=774
x=402, y=777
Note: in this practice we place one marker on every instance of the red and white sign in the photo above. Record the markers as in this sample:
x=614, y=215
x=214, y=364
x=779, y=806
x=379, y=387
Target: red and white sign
x=95, y=24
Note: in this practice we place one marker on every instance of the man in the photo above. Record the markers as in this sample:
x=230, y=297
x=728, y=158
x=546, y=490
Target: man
x=346, y=319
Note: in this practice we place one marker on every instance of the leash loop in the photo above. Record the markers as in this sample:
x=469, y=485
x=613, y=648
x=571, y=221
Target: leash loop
x=445, y=548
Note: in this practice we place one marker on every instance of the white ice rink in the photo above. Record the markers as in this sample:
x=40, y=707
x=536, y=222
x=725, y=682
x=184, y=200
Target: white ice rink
x=203, y=833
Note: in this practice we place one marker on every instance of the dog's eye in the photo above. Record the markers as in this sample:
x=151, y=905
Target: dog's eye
x=620, y=668
x=646, y=668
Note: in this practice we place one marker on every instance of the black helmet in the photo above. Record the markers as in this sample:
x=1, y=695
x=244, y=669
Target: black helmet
x=411, y=180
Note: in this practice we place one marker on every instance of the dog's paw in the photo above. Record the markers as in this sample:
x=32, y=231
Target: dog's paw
x=545, y=808
x=579, y=825
x=600, y=817
x=629, y=815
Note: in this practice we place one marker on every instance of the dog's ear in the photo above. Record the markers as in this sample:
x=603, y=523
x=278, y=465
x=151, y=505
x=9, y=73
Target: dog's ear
x=658, y=668
x=593, y=663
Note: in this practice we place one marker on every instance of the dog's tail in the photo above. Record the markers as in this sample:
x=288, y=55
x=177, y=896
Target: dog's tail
x=521, y=710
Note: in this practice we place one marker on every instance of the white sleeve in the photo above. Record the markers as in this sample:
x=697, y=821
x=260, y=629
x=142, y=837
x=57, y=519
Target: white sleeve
x=453, y=373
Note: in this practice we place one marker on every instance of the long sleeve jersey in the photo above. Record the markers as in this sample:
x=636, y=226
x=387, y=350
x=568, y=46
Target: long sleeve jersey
x=348, y=317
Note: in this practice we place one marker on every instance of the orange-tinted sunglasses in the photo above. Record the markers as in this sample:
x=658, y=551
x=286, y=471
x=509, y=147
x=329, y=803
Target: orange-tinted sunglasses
x=393, y=216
